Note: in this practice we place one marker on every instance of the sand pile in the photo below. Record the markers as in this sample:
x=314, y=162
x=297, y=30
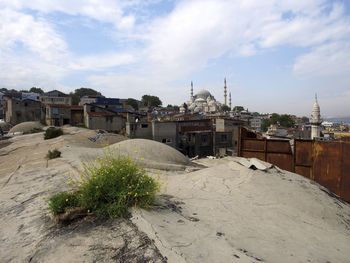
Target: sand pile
x=150, y=153
x=26, y=127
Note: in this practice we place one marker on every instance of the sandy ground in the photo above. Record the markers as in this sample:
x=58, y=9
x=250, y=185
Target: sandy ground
x=222, y=213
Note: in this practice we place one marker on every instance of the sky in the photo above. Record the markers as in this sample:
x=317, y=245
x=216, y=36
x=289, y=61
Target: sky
x=275, y=54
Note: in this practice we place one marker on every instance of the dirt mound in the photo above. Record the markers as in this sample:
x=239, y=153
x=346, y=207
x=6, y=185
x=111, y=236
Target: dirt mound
x=150, y=152
x=26, y=127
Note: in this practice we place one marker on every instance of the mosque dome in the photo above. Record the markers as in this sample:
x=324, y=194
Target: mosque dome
x=203, y=94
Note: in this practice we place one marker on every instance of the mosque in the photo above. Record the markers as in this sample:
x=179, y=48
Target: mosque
x=204, y=102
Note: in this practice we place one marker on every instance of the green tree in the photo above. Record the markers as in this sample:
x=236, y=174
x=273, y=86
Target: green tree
x=225, y=108
x=238, y=108
x=151, y=101
x=283, y=120
x=78, y=93
x=36, y=90
x=265, y=123
x=133, y=103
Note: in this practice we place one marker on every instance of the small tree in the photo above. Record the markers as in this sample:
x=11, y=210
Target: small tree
x=36, y=90
x=225, y=108
x=78, y=93
x=133, y=103
x=151, y=101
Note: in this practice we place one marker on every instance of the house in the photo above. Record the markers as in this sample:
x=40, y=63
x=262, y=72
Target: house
x=18, y=110
x=1, y=106
x=30, y=96
x=97, y=117
x=202, y=137
x=55, y=97
x=89, y=99
x=60, y=114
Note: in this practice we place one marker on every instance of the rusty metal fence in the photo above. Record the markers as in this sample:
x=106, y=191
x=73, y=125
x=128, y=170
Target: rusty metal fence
x=327, y=163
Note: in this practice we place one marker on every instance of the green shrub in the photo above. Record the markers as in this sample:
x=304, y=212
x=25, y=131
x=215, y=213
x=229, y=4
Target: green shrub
x=109, y=187
x=59, y=202
x=52, y=132
x=113, y=185
x=53, y=154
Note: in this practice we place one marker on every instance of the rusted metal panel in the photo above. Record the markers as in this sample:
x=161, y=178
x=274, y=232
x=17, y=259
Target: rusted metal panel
x=278, y=146
x=253, y=145
x=304, y=171
x=327, y=165
x=303, y=152
x=283, y=161
x=345, y=180
x=258, y=155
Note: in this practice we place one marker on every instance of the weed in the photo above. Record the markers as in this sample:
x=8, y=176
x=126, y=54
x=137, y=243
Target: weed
x=53, y=154
x=52, y=132
x=110, y=185
x=62, y=201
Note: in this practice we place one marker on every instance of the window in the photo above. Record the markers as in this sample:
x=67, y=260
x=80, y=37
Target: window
x=167, y=140
x=144, y=125
x=92, y=109
x=54, y=110
x=26, y=104
x=223, y=137
x=109, y=118
x=204, y=139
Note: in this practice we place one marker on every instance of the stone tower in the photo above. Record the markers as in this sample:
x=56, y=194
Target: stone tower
x=191, y=98
x=230, y=101
x=315, y=120
x=225, y=92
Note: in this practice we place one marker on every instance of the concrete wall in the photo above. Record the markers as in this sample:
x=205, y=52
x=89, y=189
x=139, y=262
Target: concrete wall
x=58, y=116
x=165, y=132
x=108, y=123
x=56, y=100
x=139, y=130
x=18, y=111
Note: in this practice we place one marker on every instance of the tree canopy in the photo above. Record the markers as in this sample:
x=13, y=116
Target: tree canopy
x=36, y=90
x=78, y=93
x=133, y=103
x=284, y=120
x=151, y=101
x=238, y=108
x=225, y=108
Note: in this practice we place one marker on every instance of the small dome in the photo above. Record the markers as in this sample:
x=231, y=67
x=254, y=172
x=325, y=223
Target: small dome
x=201, y=100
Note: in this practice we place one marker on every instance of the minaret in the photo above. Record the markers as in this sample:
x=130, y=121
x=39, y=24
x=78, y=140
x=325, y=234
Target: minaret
x=315, y=120
x=225, y=92
x=191, y=90
x=230, y=101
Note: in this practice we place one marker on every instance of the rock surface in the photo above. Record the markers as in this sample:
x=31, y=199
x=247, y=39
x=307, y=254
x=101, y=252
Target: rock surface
x=28, y=234
x=222, y=213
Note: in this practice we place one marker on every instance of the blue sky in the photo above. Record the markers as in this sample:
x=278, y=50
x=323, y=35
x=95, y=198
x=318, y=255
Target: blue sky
x=275, y=54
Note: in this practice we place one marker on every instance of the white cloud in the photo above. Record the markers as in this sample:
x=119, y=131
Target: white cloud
x=109, y=11
x=328, y=59
x=102, y=61
x=37, y=35
x=171, y=46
